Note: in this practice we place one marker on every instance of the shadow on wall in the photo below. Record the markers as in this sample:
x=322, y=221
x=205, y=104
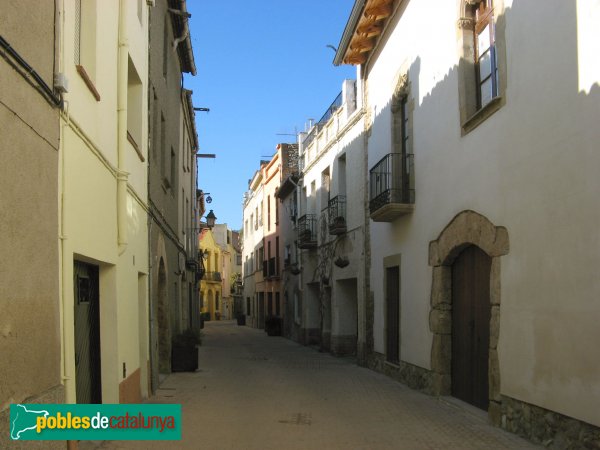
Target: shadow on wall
x=550, y=98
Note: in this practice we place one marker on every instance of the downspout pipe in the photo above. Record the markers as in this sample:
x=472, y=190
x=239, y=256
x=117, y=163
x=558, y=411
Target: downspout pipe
x=122, y=175
x=186, y=33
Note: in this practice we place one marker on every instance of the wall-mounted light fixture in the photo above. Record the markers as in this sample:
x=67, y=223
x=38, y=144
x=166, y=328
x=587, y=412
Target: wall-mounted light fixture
x=210, y=219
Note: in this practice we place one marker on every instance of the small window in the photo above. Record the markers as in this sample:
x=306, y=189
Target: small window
x=325, y=188
x=485, y=56
x=155, y=128
x=85, y=43
x=163, y=149
x=482, y=67
x=173, y=175
x=165, y=46
x=83, y=291
x=134, y=109
x=268, y=213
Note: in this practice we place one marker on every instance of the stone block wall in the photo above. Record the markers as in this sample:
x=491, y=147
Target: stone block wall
x=343, y=345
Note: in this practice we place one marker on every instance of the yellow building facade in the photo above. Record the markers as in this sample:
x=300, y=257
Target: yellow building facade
x=211, y=286
x=103, y=242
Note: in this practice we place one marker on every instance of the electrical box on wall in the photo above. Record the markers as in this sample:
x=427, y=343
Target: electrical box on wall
x=61, y=83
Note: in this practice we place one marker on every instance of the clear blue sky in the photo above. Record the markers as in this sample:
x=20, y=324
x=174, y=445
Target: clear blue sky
x=263, y=69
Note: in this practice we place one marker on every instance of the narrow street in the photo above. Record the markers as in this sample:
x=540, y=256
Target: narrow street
x=258, y=392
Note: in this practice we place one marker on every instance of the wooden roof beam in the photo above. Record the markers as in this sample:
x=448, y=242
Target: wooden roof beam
x=369, y=28
x=355, y=59
x=378, y=10
x=361, y=44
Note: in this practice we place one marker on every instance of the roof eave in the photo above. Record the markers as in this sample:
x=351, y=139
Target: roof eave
x=184, y=49
x=348, y=32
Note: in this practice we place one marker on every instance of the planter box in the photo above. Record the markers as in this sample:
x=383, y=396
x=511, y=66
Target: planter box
x=273, y=326
x=184, y=358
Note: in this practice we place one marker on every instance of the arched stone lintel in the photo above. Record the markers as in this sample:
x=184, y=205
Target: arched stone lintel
x=467, y=228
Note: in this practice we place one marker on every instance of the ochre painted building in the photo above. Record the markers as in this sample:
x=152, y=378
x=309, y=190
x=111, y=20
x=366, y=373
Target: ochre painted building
x=211, y=293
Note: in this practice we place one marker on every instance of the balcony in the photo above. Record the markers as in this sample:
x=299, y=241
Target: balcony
x=337, y=103
x=392, y=192
x=307, y=235
x=237, y=288
x=271, y=268
x=337, y=215
x=212, y=276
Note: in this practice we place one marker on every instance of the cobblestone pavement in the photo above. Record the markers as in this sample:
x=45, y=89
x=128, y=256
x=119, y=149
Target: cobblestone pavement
x=258, y=392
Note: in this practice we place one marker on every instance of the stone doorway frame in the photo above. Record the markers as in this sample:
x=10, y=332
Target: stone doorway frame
x=465, y=229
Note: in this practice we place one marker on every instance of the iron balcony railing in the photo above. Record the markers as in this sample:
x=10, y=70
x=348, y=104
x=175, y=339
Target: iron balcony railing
x=212, y=276
x=392, y=181
x=307, y=235
x=337, y=214
x=337, y=103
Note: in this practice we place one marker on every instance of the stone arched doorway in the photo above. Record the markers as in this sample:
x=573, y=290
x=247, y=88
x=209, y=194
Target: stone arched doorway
x=466, y=231
x=164, y=331
x=471, y=311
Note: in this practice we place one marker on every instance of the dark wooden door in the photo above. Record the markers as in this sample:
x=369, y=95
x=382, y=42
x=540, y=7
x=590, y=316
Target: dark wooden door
x=261, y=309
x=87, y=334
x=471, y=326
x=393, y=314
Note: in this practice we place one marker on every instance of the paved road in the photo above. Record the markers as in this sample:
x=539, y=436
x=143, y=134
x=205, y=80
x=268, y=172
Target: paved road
x=258, y=392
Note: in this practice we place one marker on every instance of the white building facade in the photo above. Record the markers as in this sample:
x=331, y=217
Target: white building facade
x=252, y=251
x=330, y=228
x=481, y=180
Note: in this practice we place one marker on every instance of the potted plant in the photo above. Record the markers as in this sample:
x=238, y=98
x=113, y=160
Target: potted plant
x=294, y=269
x=241, y=319
x=184, y=351
x=341, y=261
x=273, y=326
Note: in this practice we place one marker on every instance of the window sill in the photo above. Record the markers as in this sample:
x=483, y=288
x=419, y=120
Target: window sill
x=135, y=146
x=88, y=82
x=165, y=185
x=481, y=115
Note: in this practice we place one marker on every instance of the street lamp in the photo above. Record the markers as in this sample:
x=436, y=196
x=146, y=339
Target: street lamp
x=210, y=219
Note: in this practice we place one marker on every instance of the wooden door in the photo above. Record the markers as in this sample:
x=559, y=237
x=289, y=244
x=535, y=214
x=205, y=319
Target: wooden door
x=471, y=326
x=87, y=334
x=393, y=314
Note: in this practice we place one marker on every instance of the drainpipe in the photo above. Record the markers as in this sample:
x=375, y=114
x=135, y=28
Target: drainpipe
x=67, y=376
x=122, y=73
x=182, y=38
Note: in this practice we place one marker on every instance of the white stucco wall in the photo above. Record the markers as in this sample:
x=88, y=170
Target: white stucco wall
x=88, y=207
x=342, y=136
x=529, y=167
x=252, y=238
